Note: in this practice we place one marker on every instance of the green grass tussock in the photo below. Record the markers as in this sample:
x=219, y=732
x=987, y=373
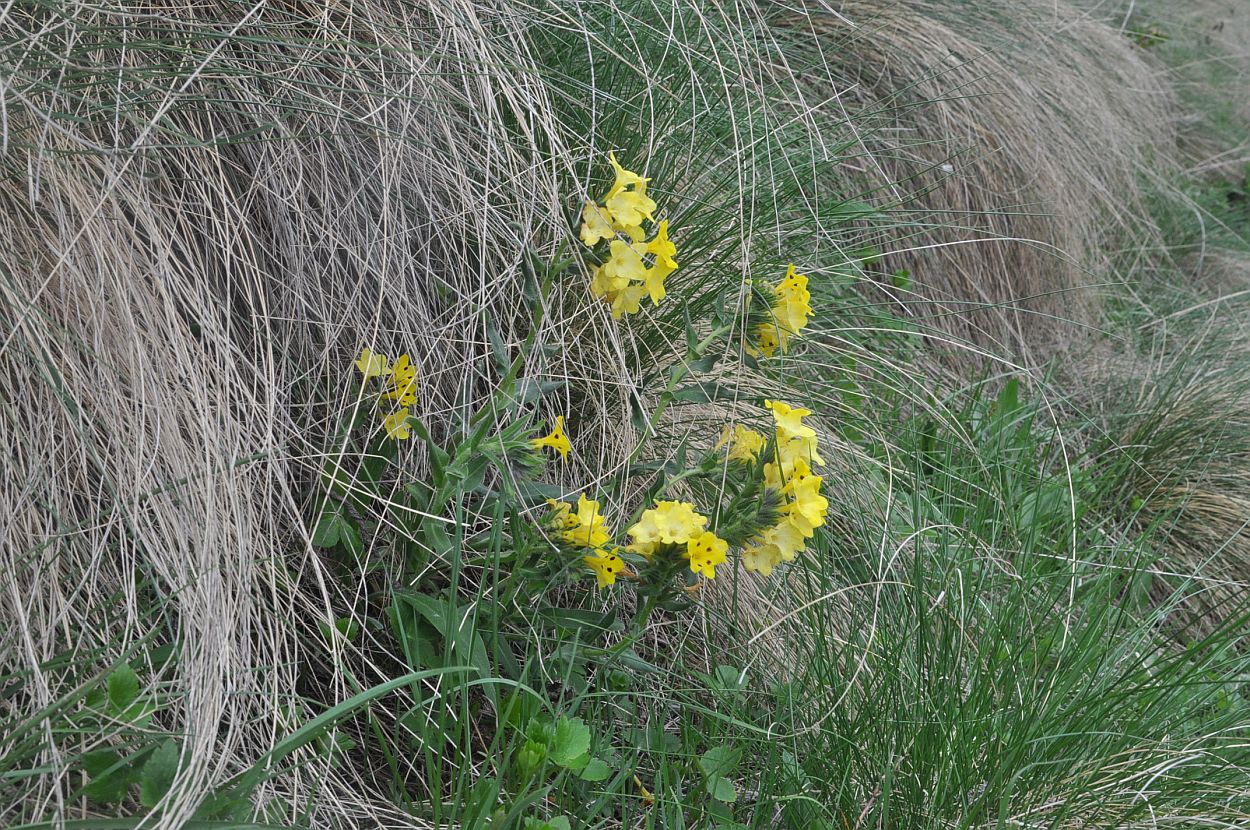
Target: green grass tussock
x=232, y=600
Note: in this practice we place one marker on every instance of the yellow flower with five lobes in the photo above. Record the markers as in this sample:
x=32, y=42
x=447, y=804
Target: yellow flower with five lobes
x=590, y=532
x=744, y=444
x=596, y=224
x=372, y=365
x=557, y=440
x=624, y=178
x=761, y=557
x=807, y=511
x=396, y=425
x=705, y=551
x=629, y=208
x=795, y=439
x=662, y=248
x=668, y=523
x=606, y=565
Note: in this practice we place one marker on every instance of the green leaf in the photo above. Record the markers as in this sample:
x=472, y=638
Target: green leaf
x=722, y=789
x=596, y=770
x=349, y=536
x=329, y=528
x=123, y=686
x=705, y=363
x=728, y=678
x=158, y=773
x=570, y=741
x=719, y=760
x=111, y=777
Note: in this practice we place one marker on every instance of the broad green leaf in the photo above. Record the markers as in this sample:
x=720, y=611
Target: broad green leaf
x=596, y=770
x=111, y=777
x=123, y=686
x=719, y=760
x=158, y=773
x=570, y=741
x=722, y=789
x=329, y=528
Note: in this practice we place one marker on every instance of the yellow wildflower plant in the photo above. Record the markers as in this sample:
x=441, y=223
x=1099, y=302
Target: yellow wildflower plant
x=761, y=557
x=789, y=312
x=795, y=439
x=596, y=224
x=402, y=382
x=627, y=275
x=705, y=552
x=372, y=365
x=396, y=425
x=606, y=565
x=663, y=249
x=557, y=440
x=744, y=444
x=583, y=527
x=590, y=531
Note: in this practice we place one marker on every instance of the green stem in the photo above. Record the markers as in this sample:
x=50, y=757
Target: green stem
x=677, y=376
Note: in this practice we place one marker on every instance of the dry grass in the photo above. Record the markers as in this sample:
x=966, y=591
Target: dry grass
x=1013, y=134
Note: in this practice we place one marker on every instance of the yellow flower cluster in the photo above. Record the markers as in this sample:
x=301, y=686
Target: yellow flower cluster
x=790, y=309
x=557, y=440
x=803, y=507
x=585, y=528
x=399, y=385
x=625, y=278
x=744, y=444
x=677, y=523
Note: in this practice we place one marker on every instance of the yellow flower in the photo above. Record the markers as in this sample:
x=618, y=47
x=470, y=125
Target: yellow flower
x=790, y=309
x=793, y=284
x=663, y=249
x=744, y=444
x=590, y=531
x=624, y=178
x=628, y=300
x=397, y=425
x=625, y=262
x=705, y=552
x=788, y=537
x=556, y=440
x=371, y=365
x=795, y=440
x=562, y=517
x=402, y=384
x=780, y=543
x=668, y=523
x=654, y=281
x=760, y=557
x=596, y=224
x=604, y=285
x=606, y=565
x=766, y=340
x=629, y=209
x=808, y=509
